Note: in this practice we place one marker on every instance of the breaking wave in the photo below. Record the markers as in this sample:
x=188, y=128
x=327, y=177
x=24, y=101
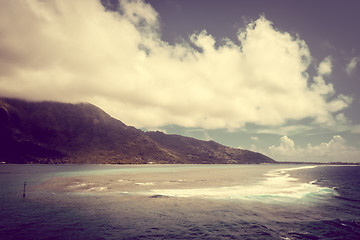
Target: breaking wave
x=277, y=185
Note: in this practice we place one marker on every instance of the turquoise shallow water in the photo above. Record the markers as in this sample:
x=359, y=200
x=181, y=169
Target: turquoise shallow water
x=179, y=202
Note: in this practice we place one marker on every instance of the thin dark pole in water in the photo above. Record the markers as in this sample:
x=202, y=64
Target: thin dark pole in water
x=24, y=189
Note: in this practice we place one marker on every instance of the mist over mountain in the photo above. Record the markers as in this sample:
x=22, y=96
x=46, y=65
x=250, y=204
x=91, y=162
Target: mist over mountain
x=53, y=132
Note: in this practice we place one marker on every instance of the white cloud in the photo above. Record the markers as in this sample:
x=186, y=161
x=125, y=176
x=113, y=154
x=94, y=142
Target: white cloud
x=75, y=51
x=326, y=90
x=156, y=130
x=336, y=150
x=255, y=138
x=351, y=66
x=252, y=148
x=325, y=67
x=292, y=129
x=207, y=137
x=286, y=147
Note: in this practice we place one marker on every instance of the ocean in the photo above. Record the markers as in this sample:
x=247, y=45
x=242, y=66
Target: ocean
x=273, y=201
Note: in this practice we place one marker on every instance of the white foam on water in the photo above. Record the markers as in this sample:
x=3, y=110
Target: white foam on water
x=76, y=185
x=97, y=189
x=145, y=183
x=277, y=185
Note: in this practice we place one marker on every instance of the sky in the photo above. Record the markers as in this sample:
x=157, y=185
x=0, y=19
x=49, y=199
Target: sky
x=275, y=76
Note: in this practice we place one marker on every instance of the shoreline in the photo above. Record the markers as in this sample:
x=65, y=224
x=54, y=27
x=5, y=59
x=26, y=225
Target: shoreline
x=179, y=164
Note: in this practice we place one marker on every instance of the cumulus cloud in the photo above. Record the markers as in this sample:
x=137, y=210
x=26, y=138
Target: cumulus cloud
x=336, y=150
x=351, y=66
x=325, y=67
x=76, y=51
x=287, y=146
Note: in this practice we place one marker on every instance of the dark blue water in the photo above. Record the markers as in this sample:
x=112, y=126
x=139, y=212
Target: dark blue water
x=179, y=202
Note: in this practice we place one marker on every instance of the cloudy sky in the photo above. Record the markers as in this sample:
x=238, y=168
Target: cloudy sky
x=276, y=76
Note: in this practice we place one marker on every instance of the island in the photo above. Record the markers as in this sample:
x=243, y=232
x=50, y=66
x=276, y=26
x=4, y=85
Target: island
x=65, y=133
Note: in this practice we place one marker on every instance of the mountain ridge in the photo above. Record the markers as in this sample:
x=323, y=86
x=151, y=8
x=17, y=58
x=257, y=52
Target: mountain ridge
x=54, y=132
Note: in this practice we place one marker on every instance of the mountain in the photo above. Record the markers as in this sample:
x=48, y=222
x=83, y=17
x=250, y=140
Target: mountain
x=52, y=132
x=198, y=151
